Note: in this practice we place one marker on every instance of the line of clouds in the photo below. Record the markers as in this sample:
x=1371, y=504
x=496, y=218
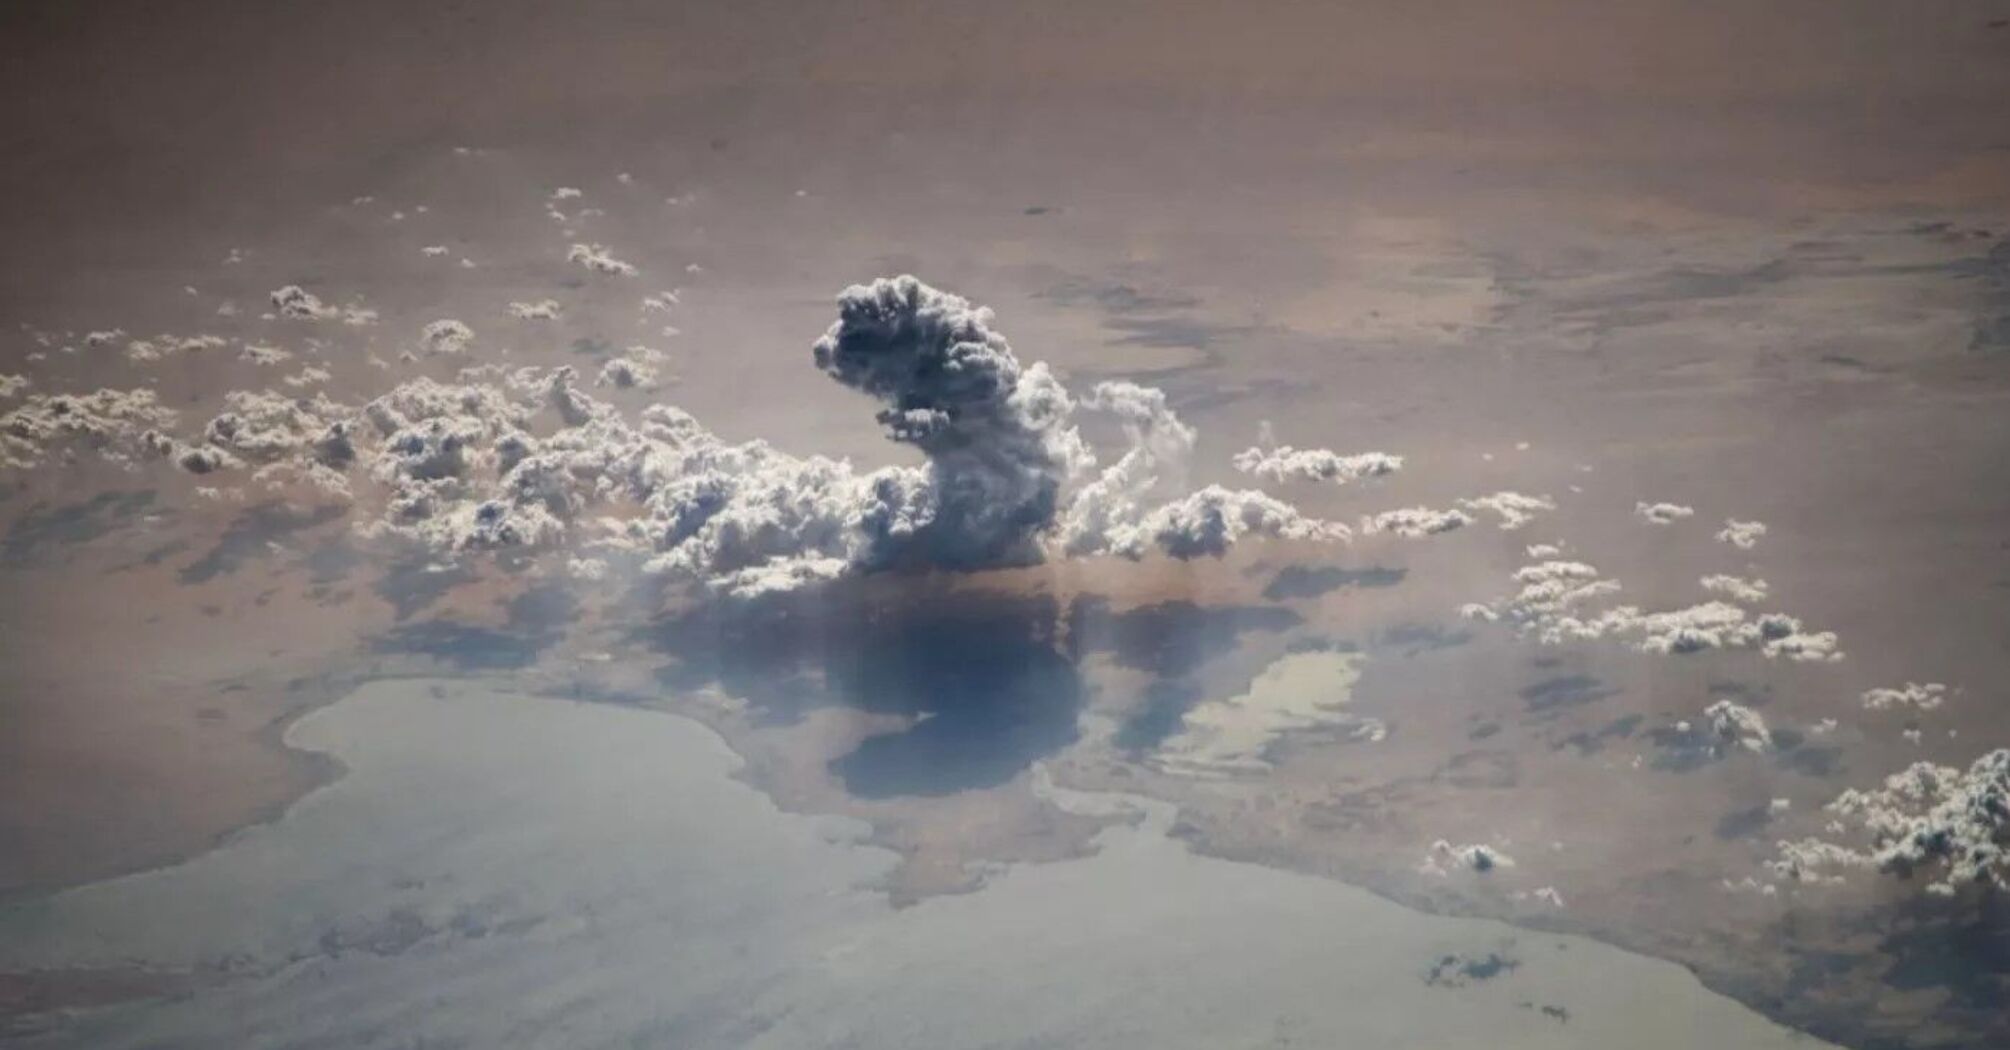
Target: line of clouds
x=524, y=458
x=1552, y=606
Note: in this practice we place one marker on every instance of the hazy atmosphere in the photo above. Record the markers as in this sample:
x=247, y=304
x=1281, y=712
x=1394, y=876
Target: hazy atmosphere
x=982, y=525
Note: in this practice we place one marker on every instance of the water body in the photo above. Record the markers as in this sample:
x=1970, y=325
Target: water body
x=499, y=870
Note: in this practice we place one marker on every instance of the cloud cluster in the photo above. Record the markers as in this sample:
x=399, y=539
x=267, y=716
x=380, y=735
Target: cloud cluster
x=1920, y=696
x=1662, y=513
x=541, y=310
x=1443, y=858
x=1737, y=588
x=1735, y=726
x=143, y=351
x=1285, y=463
x=262, y=354
x=1950, y=823
x=524, y=458
x=596, y=257
x=1550, y=607
x=638, y=368
x=295, y=303
x=120, y=425
x=1743, y=535
x=1514, y=509
x=446, y=336
x=1415, y=522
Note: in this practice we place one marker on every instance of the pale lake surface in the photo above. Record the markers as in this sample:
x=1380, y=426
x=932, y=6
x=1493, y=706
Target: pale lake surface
x=502, y=870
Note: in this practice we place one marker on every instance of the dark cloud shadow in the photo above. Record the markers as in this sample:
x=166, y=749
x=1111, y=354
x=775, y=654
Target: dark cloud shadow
x=1458, y=971
x=1960, y=946
x=1591, y=742
x=1680, y=750
x=1744, y=823
x=1174, y=638
x=1299, y=581
x=411, y=584
x=41, y=529
x=1414, y=639
x=1565, y=691
x=246, y=537
x=153, y=556
x=1795, y=753
x=1166, y=702
x=537, y=619
x=990, y=677
x=330, y=562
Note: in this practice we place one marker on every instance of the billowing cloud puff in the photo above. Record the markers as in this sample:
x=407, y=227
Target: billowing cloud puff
x=14, y=385
x=1662, y=513
x=542, y=310
x=264, y=426
x=145, y=350
x=1514, y=509
x=1736, y=588
x=307, y=376
x=295, y=303
x=1743, y=535
x=1120, y=512
x=446, y=336
x=1952, y=823
x=1921, y=696
x=637, y=368
x=596, y=258
x=1208, y=522
x=299, y=304
x=1549, y=608
x=112, y=423
x=1732, y=725
x=262, y=354
x=1443, y=858
x=1545, y=605
x=1415, y=521
x=1315, y=464
x=996, y=434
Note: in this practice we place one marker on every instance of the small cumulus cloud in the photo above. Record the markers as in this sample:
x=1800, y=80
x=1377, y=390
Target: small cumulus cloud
x=1444, y=859
x=541, y=310
x=1743, y=535
x=1662, y=513
x=1922, y=696
x=596, y=257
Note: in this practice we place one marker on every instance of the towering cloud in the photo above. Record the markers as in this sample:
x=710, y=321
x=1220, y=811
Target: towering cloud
x=997, y=434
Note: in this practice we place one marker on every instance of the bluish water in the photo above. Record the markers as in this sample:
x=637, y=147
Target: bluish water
x=497, y=870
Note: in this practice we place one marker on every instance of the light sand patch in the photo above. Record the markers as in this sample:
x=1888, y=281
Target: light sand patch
x=1232, y=736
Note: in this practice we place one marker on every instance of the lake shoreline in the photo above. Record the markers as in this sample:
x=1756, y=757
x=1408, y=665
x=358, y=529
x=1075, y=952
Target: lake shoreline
x=748, y=772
